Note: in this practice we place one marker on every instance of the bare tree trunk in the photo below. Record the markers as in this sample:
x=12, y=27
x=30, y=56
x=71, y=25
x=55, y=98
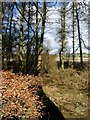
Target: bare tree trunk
x=28, y=49
x=21, y=38
x=80, y=46
x=37, y=41
x=42, y=37
x=73, y=37
x=60, y=59
x=1, y=36
x=1, y=16
x=63, y=33
x=10, y=39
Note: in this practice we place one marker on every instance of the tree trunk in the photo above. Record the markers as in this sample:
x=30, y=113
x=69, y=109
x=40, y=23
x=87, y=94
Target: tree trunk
x=10, y=39
x=42, y=37
x=37, y=41
x=1, y=16
x=63, y=33
x=0, y=38
x=60, y=59
x=28, y=49
x=80, y=46
x=73, y=37
x=21, y=38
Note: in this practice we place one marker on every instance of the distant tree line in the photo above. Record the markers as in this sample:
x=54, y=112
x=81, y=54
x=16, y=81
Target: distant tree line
x=77, y=11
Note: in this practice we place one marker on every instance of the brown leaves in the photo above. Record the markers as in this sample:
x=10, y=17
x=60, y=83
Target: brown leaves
x=18, y=96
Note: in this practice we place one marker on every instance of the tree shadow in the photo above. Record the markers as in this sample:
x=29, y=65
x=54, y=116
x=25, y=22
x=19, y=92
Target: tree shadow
x=51, y=112
x=77, y=65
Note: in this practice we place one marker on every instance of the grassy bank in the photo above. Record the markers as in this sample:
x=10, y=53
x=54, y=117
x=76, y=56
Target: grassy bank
x=68, y=89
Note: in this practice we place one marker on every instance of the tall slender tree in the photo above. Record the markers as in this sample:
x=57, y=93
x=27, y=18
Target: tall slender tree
x=42, y=36
x=28, y=42
x=1, y=16
x=37, y=39
x=9, y=47
x=79, y=37
x=73, y=37
x=63, y=34
x=21, y=37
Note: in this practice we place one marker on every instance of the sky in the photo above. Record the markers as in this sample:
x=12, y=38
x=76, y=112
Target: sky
x=51, y=36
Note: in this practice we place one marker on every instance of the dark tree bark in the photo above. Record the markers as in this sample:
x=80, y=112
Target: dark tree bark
x=73, y=38
x=60, y=59
x=63, y=34
x=42, y=37
x=37, y=40
x=28, y=49
x=1, y=16
x=10, y=41
x=80, y=46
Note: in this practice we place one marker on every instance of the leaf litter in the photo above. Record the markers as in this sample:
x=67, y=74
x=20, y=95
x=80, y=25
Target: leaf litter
x=18, y=96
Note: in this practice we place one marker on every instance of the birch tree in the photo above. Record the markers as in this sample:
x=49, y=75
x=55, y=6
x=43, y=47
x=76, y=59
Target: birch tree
x=20, y=50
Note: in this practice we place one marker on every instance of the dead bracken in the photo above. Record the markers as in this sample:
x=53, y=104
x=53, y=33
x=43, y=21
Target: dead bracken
x=18, y=96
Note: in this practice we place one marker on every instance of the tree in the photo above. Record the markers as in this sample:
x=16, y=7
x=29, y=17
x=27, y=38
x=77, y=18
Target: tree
x=1, y=16
x=20, y=50
x=42, y=37
x=37, y=39
x=28, y=42
x=63, y=12
x=80, y=45
x=73, y=37
x=9, y=48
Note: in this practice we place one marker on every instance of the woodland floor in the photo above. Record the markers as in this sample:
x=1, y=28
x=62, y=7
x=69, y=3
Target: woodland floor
x=68, y=89
x=33, y=98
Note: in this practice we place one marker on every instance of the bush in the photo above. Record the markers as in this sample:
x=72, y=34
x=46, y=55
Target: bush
x=49, y=64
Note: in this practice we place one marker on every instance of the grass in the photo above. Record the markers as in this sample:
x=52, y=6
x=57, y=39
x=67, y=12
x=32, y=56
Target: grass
x=68, y=90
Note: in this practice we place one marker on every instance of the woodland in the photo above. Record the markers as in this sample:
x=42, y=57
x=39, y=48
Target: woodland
x=36, y=84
